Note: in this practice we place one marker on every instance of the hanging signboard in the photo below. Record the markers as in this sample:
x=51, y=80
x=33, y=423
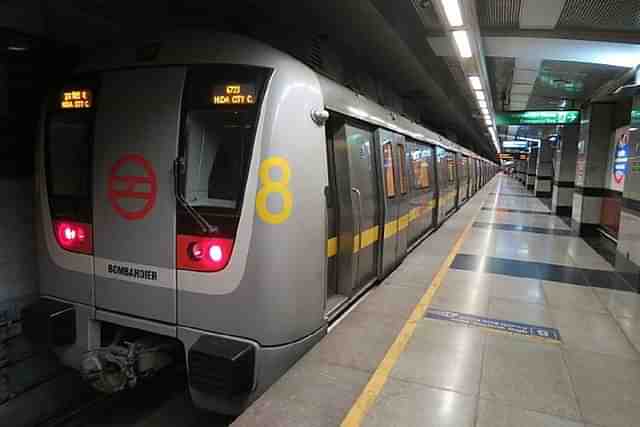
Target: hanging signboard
x=538, y=118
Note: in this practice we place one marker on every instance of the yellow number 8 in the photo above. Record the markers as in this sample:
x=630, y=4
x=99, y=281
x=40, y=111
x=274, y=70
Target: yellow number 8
x=271, y=186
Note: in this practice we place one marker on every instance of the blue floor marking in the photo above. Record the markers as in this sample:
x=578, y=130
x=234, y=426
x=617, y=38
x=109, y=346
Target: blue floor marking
x=497, y=324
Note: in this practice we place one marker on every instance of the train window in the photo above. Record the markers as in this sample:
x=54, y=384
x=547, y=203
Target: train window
x=387, y=161
x=451, y=169
x=221, y=111
x=404, y=179
x=69, y=155
x=216, y=150
x=420, y=170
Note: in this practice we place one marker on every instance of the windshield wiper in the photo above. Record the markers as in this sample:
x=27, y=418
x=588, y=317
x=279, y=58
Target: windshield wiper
x=178, y=166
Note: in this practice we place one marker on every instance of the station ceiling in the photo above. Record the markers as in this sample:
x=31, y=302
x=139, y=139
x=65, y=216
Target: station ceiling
x=539, y=54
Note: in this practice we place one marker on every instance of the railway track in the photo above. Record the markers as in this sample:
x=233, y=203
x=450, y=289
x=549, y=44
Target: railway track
x=160, y=401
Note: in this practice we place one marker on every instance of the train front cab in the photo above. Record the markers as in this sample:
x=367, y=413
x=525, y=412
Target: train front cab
x=124, y=183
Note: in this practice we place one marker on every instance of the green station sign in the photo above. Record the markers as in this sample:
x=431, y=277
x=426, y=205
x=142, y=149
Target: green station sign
x=635, y=116
x=538, y=118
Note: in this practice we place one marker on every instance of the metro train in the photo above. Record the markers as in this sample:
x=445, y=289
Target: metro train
x=214, y=200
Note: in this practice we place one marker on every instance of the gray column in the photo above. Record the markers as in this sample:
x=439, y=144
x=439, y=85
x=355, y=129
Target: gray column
x=565, y=170
x=522, y=172
x=628, y=241
x=596, y=122
x=544, y=170
x=532, y=163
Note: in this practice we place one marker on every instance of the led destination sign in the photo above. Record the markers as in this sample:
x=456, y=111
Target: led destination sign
x=76, y=99
x=538, y=118
x=233, y=94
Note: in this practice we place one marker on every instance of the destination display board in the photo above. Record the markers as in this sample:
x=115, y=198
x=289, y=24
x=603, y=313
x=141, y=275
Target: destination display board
x=76, y=99
x=233, y=94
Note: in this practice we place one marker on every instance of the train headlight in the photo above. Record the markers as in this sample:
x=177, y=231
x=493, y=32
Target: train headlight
x=195, y=251
x=74, y=236
x=215, y=253
x=207, y=254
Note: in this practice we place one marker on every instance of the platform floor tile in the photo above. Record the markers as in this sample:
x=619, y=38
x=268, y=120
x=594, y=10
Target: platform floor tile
x=523, y=312
x=360, y=341
x=608, y=388
x=404, y=404
x=572, y=297
x=593, y=332
x=443, y=355
x=528, y=375
x=492, y=413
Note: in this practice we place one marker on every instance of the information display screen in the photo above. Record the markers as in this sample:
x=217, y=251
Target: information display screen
x=76, y=99
x=234, y=94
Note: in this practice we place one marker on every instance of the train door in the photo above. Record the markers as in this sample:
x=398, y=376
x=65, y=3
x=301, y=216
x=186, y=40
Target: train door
x=422, y=184
x=444, y=184
x=134, y=204
x=393, y=200
x=402, y=171
x=354, y=197
x=467, y=178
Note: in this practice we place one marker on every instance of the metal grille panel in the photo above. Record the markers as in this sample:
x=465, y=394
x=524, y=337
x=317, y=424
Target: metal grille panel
x=614, y=15
x=499, y=13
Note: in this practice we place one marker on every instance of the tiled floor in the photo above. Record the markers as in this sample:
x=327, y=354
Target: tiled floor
x=591, y=379
x=518, y=263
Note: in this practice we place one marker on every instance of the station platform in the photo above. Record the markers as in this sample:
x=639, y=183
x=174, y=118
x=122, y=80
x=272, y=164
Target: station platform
x=503, y=317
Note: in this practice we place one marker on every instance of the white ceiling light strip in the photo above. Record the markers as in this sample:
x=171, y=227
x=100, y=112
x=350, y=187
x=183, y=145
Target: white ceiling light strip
x=453, y=13
x=465, y=36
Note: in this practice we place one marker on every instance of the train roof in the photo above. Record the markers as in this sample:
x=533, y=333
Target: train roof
x=227, y=48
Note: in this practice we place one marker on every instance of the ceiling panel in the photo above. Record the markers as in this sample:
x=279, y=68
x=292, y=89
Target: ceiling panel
x=499, y=13
x=525, y=76
x=428, y=16
x=540, y=14
x=521, y=89
x=571, y=81
x=613, y=15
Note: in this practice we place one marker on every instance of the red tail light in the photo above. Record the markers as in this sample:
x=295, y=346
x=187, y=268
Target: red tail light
x=203, y=253
x=74, y=236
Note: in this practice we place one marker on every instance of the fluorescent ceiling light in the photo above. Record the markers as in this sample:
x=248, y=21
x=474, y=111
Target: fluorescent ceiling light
x=485, y=111
x=462, y=40
x=483, y=104
x=489, y=122
x=475, y=82
x=479, y=94
x=452, y=10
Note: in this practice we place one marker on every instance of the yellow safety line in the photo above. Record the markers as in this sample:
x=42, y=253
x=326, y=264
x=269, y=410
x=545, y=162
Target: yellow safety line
x=373, y=388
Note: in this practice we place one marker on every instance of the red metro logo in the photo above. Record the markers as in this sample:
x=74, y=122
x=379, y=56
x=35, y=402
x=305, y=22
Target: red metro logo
x=132, y=187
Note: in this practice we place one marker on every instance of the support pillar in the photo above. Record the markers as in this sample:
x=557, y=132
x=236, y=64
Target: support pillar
x=596, y=123
x=532, y=163
x=522, y=172
x=565, y=170
x=628, y=259
x=544, y=170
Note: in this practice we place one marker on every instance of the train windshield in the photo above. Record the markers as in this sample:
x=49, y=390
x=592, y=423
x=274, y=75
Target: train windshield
x=217, y=145
x=68, y=151
x=222, y=107
x=69, y=154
